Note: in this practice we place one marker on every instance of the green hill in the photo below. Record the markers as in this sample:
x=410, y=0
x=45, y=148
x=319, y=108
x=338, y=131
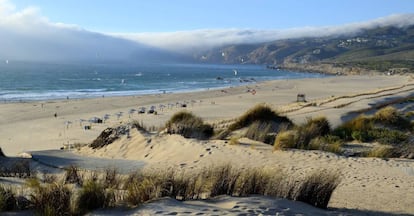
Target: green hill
x=380, y=49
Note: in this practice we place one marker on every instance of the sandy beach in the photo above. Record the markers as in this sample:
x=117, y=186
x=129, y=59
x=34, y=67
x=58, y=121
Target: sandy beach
x=368, y=186
x=30, y=126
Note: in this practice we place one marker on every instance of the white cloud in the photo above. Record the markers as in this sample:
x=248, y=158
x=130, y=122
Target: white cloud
x=184, y=41
x=27, y=35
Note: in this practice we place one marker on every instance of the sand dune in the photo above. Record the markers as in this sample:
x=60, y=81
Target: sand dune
x=369, y=185
x=365, y=181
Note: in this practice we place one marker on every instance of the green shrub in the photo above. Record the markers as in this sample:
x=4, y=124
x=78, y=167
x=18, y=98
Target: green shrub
x=361, y=136
x=260, y=113
x=355, y=129
x=388, y=136
x=93, y=196
x=7, y=199
x=389, y=116
x=189, y=126
x=51, y=200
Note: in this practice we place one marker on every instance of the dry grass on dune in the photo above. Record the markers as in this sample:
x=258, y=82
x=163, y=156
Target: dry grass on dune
x=60, y=198
x=261, y=113
x=189, y=126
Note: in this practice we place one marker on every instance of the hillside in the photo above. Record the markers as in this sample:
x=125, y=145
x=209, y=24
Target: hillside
x=379, y=49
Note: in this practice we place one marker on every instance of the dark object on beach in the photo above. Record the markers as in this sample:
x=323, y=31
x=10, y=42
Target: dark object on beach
x=55, y=115
x=87, y=127
x=301, y=98
x=96, y=120
x=108, y=136
x=151, y=110
x=184, y=105
x=141, y=110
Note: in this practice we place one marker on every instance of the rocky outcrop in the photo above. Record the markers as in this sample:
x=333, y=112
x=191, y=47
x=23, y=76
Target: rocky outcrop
x=109, y=135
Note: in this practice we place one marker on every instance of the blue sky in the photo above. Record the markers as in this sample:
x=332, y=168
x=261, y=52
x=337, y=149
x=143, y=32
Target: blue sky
x=131, y=16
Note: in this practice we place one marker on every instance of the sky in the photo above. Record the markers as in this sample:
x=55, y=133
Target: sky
x=132, y=16
x=64, y=29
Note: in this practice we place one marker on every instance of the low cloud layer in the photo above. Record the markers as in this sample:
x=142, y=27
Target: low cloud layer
x=27, y=35
x=185, y=41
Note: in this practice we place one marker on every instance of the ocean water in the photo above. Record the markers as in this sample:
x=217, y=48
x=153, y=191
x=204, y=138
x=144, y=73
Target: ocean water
x=21, y=81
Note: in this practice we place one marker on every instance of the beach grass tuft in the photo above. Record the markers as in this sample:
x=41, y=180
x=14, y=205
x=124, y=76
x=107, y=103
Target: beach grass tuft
x=317, y=188
x=260, y=112
x=189, y=126
x=51, y=200
x=390, y=117
x=93, y=195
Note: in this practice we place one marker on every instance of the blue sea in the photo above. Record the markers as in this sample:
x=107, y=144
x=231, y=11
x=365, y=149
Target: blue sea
x=22, y=81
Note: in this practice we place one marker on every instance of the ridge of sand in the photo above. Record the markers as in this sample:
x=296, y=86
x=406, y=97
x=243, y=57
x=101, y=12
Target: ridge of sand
x=369, y=184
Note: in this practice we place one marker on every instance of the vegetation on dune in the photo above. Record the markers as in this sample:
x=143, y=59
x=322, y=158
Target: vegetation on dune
x=317, y=189
x=189, y=126
x=139, y=187
x=389, y=116
x=262, y=124
x=386, y=126
x=259, y=113
x=314, y=134
x=93, y=195
x=7, y=199
x=227, y=180
x=51, y=199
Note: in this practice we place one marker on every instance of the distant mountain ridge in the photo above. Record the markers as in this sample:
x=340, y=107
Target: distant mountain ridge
x=379, y=49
